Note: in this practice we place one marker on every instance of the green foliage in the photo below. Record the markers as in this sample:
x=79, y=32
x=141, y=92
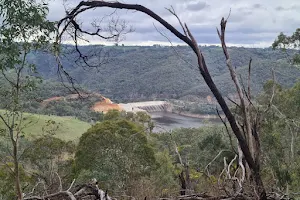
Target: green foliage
x=42, y=159
x=138, y=117
x=47, y=156
x=47, y=148
x=285, y=42
x=23, y=28
x=80, y=109
x=196, y=105
x=7, y=184
x=114, y=115
x=165, y=175
x=141, y=118
x=279, y=134
x=115, y=152
x=162, y=182
x=197, y=147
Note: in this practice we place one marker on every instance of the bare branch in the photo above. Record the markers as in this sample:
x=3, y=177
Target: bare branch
x=60, y=184
x=270, y=104
x=213, y=160
x=228, y=15
x=227, y=131
x=6, y=78
x=177, y=53
x=249, y=79
x=71, y=185
x=64, y=193
x=240, y=153
x=5, y=122
x=172, y=11
x=235, y=103
x=201, y=62
x=229, y=166
x=273, y=87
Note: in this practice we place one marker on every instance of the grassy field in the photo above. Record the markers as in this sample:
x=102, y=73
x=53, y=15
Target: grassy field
x=66, y=128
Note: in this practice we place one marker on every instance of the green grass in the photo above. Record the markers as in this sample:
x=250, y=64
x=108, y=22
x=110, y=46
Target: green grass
x=66, y=128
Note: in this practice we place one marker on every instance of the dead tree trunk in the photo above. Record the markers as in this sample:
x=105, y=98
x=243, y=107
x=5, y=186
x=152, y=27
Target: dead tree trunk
x=79, y=192
x=183, y=185
x=246, y=141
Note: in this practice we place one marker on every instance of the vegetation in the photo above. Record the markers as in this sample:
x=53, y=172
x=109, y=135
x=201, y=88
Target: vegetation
x=116, y=152
x=126, y=80
x=243, y=123
x=23, y=28
x=33, y=101
x=285, y=42
x=254, y=155
x=280, y=136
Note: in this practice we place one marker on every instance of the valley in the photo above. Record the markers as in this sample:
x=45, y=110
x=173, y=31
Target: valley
x=93, y=105
x=153, y=80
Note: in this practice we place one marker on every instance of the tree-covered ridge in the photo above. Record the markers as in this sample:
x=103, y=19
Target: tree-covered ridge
x=145, y=73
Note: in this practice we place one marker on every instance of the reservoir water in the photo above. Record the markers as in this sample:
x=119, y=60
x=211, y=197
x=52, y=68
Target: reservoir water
x=165, y=121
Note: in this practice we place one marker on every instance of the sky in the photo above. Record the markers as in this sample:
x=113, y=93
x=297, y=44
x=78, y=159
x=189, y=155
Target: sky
x=252, y=23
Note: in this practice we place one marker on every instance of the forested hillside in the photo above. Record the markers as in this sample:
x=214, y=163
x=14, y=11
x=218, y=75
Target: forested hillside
x=145, y=73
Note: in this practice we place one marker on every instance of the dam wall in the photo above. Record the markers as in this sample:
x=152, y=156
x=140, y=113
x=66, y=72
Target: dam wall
x=147, y=106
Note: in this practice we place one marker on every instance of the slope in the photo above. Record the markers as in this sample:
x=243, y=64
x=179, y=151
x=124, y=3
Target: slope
x=66, y=128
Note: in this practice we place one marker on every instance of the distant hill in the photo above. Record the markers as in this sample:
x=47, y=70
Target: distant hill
x=152, y=73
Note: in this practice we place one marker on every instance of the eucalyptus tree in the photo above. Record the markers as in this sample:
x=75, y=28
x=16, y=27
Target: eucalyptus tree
x=24, y=28
x=285, y=42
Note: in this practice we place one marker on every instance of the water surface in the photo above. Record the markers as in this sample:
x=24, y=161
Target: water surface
x=165, y=121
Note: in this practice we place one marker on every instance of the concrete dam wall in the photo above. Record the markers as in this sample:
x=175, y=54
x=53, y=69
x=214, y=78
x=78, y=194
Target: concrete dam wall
x=148, y=106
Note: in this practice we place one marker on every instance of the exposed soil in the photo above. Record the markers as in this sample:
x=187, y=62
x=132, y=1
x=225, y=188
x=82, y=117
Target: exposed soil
x=104, y=105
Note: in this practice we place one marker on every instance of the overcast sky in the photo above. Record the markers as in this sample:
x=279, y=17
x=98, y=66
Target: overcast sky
x=252, y=23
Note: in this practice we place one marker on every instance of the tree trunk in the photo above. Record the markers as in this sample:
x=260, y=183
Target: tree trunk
x=259, y=186
x=188, y=179
x=16, y=168
x=182, y=183
x=17, y=181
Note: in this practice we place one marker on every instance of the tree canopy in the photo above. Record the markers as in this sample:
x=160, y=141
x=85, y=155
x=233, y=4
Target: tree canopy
x=286, y=42
x=116, y=152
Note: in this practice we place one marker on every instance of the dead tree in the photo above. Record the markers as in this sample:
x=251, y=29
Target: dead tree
x=245, y=129
x=79, y=192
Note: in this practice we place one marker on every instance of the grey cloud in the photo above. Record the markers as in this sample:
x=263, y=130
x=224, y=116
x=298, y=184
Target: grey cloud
x=257, y=5
x=196, y=6
x=279, y=8
x=238, y=16
x=207, y=36
x=251, y=21
x=293, y=7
